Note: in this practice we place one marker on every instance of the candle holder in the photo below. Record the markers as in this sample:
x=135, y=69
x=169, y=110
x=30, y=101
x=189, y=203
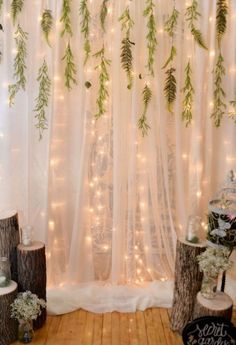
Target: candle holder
x=5, y=272
x=26, y=235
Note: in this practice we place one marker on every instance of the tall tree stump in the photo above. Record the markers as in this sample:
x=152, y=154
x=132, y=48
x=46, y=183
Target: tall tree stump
x=188, y=281
x=220, y=305
x=32, y=273
x=8, y=326
x=9, y=239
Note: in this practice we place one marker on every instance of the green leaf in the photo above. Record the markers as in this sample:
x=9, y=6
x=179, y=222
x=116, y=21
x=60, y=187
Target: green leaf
x=170, y=88
x=127, y=59
x=16, y=8
x=142, y=122
x=46, y=24
x=173, y=53
x=70, y=69
x=171, y=23
x=126, y=22
x=151, y=35
x=65, y=18
x=188, y=90
x=103, y=14
x=85, y=21
x=221, y=19
x=42, y=99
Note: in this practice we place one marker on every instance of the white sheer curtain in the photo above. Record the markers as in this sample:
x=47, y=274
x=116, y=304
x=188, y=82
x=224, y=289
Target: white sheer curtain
x=109, y=203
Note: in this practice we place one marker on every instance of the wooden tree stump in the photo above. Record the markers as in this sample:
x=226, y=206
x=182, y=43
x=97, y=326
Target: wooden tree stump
x=188, y=281
x=220, y=305
x=9, y=239
x=8, y=326
x=32, y=273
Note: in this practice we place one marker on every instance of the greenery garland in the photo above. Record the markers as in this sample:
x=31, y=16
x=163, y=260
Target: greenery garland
x=151, y=35
x=171, y=24
x=103, y=79
x=142, y=122
x=232, y=114
x=46, y=24
x=43, y=99
x=192, y=15
x=70, y=70
x=65, y=18
x=126, y=46
x=221, y=19
x=16, y=8
x=1, y=3
x=19, y=64
x=103, y=14
x=170, y=88
x=188, y=91
x=85, y=14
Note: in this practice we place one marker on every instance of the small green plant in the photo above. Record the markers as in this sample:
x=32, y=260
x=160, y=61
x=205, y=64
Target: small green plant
x=221, y=19
x=103, y=14
x=65, y=18
x=188, y=90
x=16, y=8
x=232, y=114
x=171, y=57
x=85, y=15
x=70, y=69
x=46, y=24
x=171, y=23
x=142, y=122
x=170, y=88
x=151, y=35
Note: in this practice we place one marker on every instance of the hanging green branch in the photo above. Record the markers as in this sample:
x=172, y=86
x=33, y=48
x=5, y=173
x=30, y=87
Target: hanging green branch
x=70, y=69
x=16, y=8
x=171, y=24
x=232, y=114
x=46, y=24
x=219, y=94
x=221, y=19
x=142, y=122
x=151, y=35
x=65, y=18
x=170, y=88
x=42, y=99
x=192, y=16
x=1, y=3
x=103, y=14
x=126, y=46
x=85, y=14
x=19, y=64
x=103, y=79
x=188, y=90
x=173, y=53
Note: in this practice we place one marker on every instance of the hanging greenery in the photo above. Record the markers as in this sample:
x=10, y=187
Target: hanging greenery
x=232, y=114
x=103, y=79
x=19, y=64
x=70, y=69
x=192, y=16
x=42, y=99
x=221, y=19
x=85, y=14
x=170, y=88
x=173, y=53
x=46, y=24
x=151, y=35
x=142, y=122
x=188, y=90
x=16, y=8
x=171, y=24
x=126, y=46
x=1, y=3
x=65, y=18
x=219, y=94
x=103, y=14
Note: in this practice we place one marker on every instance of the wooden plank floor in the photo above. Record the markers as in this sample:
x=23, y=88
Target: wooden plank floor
x=150, y=327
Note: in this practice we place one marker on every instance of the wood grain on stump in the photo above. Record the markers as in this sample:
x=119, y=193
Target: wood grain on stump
x=8, y=326
x=32, y=273
x=220, y=305
x=9, y=239
x=188, y=281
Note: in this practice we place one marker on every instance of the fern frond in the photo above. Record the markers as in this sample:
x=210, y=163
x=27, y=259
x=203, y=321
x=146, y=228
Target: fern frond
x=85, y=14
x=170, y=88
x=16, y=8
x=103, y=14
x=126, y=21
x=197, y=35
x=171, y=57
x=188, y=91
x=65, y=18
x=46, y=24
x=221, y=19
x=151, y=35
x=70, y=69
x=142, y=122
x=232, y=114
x=127, y=59
x=171, y=23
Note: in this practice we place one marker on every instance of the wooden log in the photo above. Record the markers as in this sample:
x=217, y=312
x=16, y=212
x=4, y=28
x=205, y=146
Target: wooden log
x=8, y=326
x=188, y=281
x=32, y=273
x=9, y=239
x=220, y=305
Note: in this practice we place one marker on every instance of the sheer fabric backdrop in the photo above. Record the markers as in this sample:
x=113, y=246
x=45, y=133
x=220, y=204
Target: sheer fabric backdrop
x=109, y=203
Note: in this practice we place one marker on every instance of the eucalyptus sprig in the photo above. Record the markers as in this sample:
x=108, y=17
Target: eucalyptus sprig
x=16, y=8
x=65, y=18
x=171, y=23
x=188, y=90
x=42, y=99
x=232, y=114
x=103, y=79
x=19, y=64
x=70, y=69
x=85, y=14
x=170, y=88
x=171, y=57
x=192, y=16
x=142, y=122
x=46, y=24
x=221, y=19
x=103, y=14
x=126, y=45
x=219, y=105
x=151, y=35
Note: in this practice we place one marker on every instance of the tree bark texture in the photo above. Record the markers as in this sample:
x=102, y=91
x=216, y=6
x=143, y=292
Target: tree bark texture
x=8, y=326
x=9, y=239
x=221, y=305
x=32, y=274
x=188, y=281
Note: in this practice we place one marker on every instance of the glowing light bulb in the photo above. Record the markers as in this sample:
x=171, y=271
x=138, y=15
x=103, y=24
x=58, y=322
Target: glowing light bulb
x=198, y=194
x=212, y=53
x=184, y=156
